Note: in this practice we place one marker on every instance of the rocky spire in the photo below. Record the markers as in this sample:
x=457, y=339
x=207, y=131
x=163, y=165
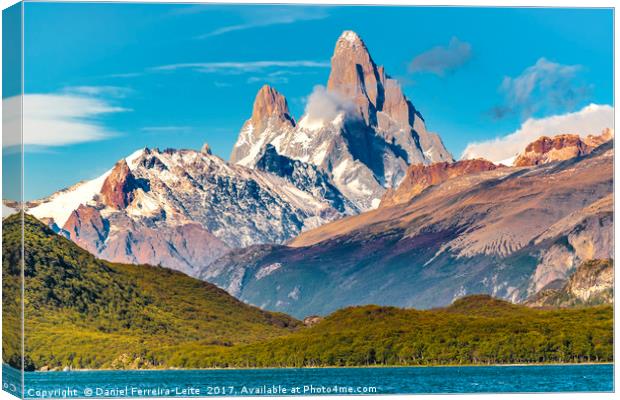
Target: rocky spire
x=355, y=76
x=270, y=117
x=118, y=188
x=206, y=149
x=270, y=104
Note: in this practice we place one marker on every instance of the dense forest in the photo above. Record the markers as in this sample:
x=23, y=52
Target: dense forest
x=474, y=330
x=86, y=313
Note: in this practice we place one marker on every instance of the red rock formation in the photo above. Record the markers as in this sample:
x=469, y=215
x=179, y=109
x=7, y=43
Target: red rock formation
x=117, y=189
x=419, y=177
x=597, y=140
x=545, y=149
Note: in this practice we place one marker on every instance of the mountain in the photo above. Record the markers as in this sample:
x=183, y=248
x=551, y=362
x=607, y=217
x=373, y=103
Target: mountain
x=143, y=316
x=560, y=147
x=183, y=209
x=473, y=330
x=361, y=131
x=592, y=283
x=420, y=176
x=147, y=317
x=507, y=232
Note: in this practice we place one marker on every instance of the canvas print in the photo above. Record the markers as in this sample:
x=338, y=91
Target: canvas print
x=229, y=200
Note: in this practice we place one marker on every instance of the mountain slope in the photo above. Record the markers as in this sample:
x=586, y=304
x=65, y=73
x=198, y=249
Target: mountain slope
x=473, y=330
x=419, y=177
x=364, y=133
x=592, y=283
x=182, y=209
x=142, y=316
x=506, y=232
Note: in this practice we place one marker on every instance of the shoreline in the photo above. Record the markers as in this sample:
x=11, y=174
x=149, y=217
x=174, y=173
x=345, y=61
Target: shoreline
x=323, y=367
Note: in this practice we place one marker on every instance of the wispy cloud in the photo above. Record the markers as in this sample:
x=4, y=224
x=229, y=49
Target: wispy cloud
x=442, y=59
x=111, y=91
x=241, y=67
x=590, y=120
x=57, y=119
x=546, y=85
x=275, y=77
x=124, y=75
x=269, y=16
x=166, y=129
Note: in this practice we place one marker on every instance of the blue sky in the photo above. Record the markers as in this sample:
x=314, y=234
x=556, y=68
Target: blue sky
x=127, y=76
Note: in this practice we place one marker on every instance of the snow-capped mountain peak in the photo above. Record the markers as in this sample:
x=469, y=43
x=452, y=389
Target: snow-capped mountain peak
x=59, y=205
x=361, y=131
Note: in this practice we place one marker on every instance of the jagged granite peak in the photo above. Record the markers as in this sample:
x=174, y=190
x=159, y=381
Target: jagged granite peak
x=269, y=103
x=364, y=144
x=381, y=102
x=354, y=75
x=270, y=117
x=420, y=177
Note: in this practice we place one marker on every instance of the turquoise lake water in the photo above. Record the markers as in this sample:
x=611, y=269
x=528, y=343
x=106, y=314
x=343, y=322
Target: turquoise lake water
x=548, y=378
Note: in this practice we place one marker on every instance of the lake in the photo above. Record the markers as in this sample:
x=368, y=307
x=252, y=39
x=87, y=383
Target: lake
x=174, y=383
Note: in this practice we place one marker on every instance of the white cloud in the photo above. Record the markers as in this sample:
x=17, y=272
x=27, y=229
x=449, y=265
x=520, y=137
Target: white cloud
x=55, y=119
x=241, y=67
x=591, y=119
x=543, y=85
x=324, y=105
x=441, y=59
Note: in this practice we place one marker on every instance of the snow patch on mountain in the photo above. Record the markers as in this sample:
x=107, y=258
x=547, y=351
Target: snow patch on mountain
x=60, y=205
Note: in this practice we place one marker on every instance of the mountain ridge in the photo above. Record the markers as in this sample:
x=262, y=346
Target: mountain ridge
x=506, y=232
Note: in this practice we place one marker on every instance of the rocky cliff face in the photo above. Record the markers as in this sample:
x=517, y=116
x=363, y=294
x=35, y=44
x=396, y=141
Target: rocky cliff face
x=365, y=145
x=506, y=232
x=183, y=209
x=419, y=177
x=120, y=186
x=592, y=283
x=597, y=140
x=306, y=177
x=270, y=117
x=560, y=147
